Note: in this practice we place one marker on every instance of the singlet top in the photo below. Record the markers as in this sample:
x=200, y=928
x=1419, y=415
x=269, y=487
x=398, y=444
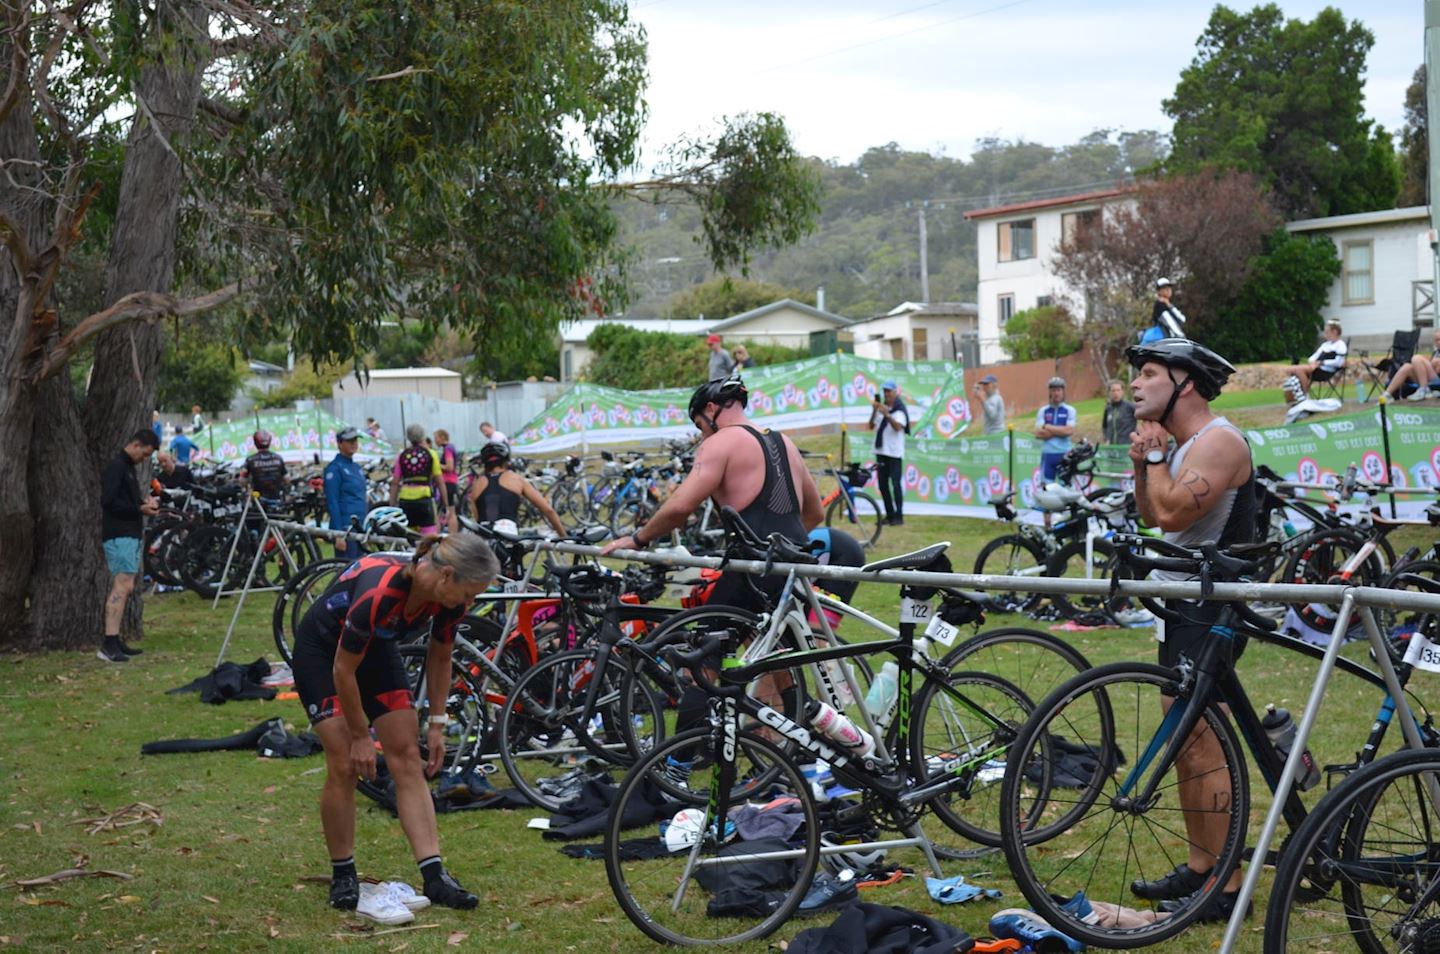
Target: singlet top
x=367, y=602
x=1230, y=521
x=776, y=508
x=495, y=501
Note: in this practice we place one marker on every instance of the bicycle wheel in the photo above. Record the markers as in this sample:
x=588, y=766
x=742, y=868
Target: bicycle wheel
x=679, y=898
x=630, y=512
x=298, y=595
x=861, y=517
x=1110, y=836
x=1070, y=562
x=158, y=536
x=206, y=550
x=464, y=704
x=968, y=737
x=543, y=722
x=1012, y=555
x=1363, y=869
x=1417, y=576
x=1322, y=554
x=1034, y=662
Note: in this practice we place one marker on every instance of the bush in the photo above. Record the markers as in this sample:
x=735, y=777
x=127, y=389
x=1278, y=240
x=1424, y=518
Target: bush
x=1276, y=316
x=306, y=382
x=642, y=360
x=1036, y=333
x=198, y=372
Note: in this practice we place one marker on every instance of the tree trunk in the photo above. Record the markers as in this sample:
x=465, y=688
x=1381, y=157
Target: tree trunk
x=29, y=211
x=72, y=445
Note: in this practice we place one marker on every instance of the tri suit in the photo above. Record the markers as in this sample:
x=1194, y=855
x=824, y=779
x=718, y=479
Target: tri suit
x=496, y=502
x=364, y=611
x=775, y=509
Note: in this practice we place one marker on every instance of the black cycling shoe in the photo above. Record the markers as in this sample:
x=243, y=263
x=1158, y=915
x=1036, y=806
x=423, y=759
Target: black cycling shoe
x=345, y=892
x=1177, y=884
x=129, y=650
x=1219, y=908
x=446, y=892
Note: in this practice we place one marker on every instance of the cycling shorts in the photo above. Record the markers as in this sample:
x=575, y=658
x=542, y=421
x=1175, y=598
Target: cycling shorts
x=384, y=687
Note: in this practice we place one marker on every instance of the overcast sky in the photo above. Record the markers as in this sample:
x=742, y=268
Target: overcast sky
x=936, y=76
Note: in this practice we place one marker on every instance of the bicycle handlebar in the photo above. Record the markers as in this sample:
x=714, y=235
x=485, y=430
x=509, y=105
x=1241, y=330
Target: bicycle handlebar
x=1202, y=562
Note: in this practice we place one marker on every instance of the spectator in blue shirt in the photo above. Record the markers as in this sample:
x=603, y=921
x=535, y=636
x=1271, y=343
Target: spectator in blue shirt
x=1054, y=423
x=345, y=489
x=182, y=447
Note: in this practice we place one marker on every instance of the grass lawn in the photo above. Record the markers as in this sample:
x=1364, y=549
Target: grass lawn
x=238, y=863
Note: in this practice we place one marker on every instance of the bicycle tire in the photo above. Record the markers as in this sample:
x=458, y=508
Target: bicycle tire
x=1010, y=555
x=297, y=596
x=1103, y=567
x=1328, y=852
x=943, y=735
x=646, y=889
x=464, y=704
x=545, y=711
x=153, y=549
x=1050, y=864
x=1396, y=625
x=204, y=556
x=1034, y=661
x=864, y=519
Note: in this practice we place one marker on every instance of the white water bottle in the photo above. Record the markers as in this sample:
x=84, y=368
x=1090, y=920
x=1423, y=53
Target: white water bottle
x=883, y=691
x=838, y=729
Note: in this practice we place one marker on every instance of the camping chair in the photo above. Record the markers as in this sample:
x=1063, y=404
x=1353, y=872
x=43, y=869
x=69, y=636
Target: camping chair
x=1333, y=385
x=1402, y=349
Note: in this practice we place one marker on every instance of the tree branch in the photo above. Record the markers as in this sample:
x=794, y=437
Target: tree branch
x=14, y=240
x=136, y=306
x=18, y=29
x=221, y=111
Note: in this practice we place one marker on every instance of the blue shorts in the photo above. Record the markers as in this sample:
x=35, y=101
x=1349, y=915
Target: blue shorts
x=122, y=554
x=1049, y=463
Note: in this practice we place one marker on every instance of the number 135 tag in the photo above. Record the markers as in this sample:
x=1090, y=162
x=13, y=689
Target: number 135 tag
x=1423, y=654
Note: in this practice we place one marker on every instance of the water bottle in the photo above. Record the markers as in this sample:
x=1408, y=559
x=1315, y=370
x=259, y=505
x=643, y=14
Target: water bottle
x=883, y=691
x=1289, y=529
x=1281, y=729
x=838, y=729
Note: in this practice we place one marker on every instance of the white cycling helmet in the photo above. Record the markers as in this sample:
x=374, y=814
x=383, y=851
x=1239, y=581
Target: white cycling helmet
x=1055, y=497
x=684, y=829
x=387, y=521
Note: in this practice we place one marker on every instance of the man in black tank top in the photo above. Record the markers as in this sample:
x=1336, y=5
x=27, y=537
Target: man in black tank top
x=1200, y=490
x=758, y=473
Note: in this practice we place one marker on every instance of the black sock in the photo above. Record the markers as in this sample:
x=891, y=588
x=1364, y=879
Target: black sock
x=431, y=868
x=343, y=868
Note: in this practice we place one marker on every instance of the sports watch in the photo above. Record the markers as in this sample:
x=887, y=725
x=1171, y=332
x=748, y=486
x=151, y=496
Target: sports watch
x=1155, y=456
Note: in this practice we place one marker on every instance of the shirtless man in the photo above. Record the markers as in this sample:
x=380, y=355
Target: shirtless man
x=1203, y=489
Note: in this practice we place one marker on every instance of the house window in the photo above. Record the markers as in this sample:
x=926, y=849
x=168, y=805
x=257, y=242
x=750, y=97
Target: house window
x=897, y=349
x=1007, y=308
x=1074, y=225
x=1017, y=240
x=1358, y=279
x=1044, y=301
x=919, y=345
x=567, y=372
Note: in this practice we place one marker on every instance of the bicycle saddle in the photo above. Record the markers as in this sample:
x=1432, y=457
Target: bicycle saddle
x=915, y=560
x=774, y=548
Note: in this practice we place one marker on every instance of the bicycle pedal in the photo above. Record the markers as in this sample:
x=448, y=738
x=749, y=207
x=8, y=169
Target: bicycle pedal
x=1272, y=857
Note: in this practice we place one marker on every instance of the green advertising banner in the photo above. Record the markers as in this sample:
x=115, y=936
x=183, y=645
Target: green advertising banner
x=961, y=476
x=298, y=436
x=798, y=394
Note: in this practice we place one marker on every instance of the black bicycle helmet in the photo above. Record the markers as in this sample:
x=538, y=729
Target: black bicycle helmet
x=1207, y=370
x=722, y=392
x=494, y=454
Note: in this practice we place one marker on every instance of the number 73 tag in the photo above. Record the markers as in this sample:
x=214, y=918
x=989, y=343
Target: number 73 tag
x=941, y=631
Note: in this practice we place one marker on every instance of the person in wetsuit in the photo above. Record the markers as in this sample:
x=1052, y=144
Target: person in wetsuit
x=1201, y=489
x=497, y=492
x=350, y=676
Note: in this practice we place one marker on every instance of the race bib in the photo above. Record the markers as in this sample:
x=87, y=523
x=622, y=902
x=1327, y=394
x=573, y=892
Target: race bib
x=941, y=631
x=1423, y=654
x=914, y=611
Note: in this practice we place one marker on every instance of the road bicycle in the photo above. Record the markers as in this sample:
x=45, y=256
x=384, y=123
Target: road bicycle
x=1175, y=725
x=852, y=509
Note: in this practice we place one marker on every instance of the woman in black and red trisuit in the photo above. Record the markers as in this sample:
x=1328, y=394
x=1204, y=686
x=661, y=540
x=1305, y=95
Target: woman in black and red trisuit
x=347, y=665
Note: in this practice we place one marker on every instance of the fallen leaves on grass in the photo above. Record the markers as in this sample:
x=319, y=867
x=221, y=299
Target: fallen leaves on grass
x=362, y=929
x=210, y=899
x=43, y=902
x=136, y=813
x=456, y=938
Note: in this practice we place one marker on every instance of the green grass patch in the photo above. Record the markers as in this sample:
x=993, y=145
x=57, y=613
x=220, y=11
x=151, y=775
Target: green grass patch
x=239, y=863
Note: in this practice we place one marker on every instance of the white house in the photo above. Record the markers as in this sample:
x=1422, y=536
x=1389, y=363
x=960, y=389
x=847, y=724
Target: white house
x=784, y=322
x=916, y=331
x=1387, y=277
x=1016, y=246
x=426, y=382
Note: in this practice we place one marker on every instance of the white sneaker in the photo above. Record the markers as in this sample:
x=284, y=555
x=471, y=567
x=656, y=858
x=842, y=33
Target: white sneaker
x=380, y=906
x=1419, y=394
x=406, y=895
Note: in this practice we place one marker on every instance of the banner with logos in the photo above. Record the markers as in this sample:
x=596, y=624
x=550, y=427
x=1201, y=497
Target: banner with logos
x=297, y=436
x=814, y=392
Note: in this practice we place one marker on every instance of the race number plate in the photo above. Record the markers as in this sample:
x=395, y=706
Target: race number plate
x=1423, y=654
x=941, y=631
x=914, y=611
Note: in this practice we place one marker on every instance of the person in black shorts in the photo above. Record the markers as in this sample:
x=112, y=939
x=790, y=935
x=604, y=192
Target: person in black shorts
x=349, y=676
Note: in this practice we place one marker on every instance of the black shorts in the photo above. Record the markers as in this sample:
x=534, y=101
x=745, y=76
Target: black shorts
x=1322, y=374
x=731, y=589
x=419, y=513
x=1187, y=637
x=452, y=493
x=384, y=687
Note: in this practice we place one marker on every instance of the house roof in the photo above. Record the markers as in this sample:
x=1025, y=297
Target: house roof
x=1059, y=200
x=783, y=303
x=265, y=367
x=578, y=332
x=1380, y=217
x=933, y=309
x=391, y=373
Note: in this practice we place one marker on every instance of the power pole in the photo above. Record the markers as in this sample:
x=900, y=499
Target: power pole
x=1432, y=106
x=924, y=257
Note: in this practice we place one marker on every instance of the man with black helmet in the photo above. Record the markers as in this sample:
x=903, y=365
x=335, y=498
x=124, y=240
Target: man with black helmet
x=758, y=473
x=265, y=469
x=346, y=489
x=1201, y=489
x=497, y=492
